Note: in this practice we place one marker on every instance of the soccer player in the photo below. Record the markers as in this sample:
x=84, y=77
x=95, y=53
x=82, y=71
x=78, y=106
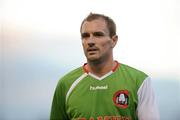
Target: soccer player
x=103, y=88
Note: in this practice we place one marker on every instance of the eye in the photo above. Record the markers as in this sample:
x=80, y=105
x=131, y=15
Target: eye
x=85, y=35
x=98, y=34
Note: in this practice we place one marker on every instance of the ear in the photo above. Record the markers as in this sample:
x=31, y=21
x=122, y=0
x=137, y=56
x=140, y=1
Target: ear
x=114, y=40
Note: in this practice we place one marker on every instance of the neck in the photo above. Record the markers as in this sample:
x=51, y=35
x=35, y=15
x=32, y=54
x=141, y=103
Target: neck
x=100, y=68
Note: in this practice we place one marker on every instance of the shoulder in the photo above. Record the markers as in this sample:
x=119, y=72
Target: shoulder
x=72, y=75
x=69, y=78
x=132, y=70
x=135, y=74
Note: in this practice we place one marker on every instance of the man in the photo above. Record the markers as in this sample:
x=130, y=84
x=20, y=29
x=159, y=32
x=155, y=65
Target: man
x=103, y=89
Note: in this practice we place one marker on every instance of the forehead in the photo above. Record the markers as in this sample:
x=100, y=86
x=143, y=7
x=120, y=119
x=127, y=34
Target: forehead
x=94, y=25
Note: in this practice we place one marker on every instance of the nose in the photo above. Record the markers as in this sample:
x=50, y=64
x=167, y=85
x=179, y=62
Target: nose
x=91, y=44
x=91, y=41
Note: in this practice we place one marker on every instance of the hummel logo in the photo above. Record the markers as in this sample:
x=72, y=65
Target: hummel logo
x=98, y=87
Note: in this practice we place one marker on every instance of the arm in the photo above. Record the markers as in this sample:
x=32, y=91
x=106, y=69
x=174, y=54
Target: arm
x=147, y=107
x=58, y=111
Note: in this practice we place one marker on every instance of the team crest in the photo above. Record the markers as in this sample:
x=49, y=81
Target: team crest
x=121, y=98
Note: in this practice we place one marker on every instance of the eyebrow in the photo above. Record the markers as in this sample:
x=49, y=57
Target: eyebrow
x=85, y=34
x=96, y=34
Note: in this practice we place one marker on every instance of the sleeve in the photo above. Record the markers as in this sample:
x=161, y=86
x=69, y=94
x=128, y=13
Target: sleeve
x=58, y=109
x=147, y=108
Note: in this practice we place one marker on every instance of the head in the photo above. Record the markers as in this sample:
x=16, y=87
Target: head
x=98, y=34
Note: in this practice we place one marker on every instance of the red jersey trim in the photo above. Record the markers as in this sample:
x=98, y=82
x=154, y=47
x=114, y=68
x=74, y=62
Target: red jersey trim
x=113, y=69
x=116, y=66
x=85, y=68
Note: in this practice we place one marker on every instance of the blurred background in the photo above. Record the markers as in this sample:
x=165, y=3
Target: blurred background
x=40, y=42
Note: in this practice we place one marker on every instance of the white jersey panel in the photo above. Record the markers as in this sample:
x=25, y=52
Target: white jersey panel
x=147, y=107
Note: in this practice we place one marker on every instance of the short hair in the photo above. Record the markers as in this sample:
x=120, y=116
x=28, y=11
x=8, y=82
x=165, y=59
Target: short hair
x=109, y=22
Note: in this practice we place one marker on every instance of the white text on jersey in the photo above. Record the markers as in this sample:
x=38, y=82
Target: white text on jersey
x=98, y=87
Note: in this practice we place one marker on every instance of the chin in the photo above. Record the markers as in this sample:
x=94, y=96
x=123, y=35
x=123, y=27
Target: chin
x=94, y=59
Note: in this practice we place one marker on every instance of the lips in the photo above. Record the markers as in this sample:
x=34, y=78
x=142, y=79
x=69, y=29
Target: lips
x=92, y=49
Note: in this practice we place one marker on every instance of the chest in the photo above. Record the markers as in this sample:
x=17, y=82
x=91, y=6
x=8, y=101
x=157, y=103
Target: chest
x=93, y=98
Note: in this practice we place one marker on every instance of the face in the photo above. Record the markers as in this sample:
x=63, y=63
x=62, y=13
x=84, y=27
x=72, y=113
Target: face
x=96, y=41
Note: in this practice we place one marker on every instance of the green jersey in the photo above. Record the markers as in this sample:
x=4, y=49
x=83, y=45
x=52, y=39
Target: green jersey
x=81, y=95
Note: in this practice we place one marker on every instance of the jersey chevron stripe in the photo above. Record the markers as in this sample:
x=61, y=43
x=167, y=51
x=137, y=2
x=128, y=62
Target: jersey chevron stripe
x=74, y=84
x=100, y=78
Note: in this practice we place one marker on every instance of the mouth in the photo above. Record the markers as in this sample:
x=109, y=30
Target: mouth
x=92, y=50
x=89, y=50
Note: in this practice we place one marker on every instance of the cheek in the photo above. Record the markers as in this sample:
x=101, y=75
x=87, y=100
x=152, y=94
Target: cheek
x=84, y=45
x=106, y=44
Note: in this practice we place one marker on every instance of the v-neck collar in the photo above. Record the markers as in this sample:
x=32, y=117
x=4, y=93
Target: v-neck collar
x=102, y=77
